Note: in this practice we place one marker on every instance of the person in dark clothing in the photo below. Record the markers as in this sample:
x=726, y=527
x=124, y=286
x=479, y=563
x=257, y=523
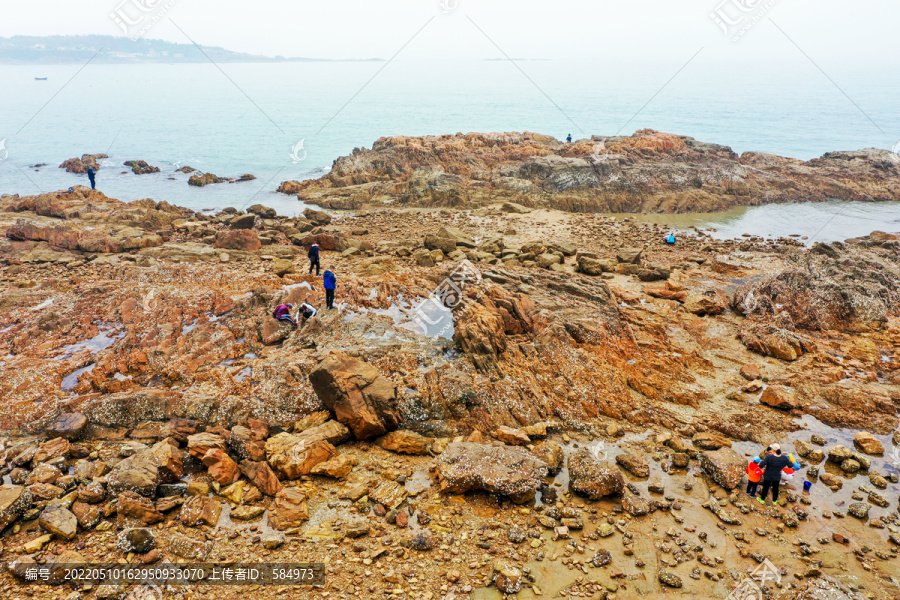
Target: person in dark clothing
x=772, y=465
x=92, y=178
x=313, y=255
x=330, y=283
x=569, y=138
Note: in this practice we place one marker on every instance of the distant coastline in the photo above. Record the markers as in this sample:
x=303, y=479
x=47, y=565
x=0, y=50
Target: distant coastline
x=58, y=49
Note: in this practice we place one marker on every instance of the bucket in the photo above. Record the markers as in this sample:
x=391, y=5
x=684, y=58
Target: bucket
x=807, y=485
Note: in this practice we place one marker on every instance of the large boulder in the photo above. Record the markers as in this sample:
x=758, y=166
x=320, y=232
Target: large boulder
x=725, y=466
x=357, y=393
x=436, y=242
x=506, y=470
x=67, y=425
x=778, y=396
x=595, y=266
x=291, y=456
x=457, y=235
x=59, y=521
x=319, y=217
x=242, y=222
x=592, y=478
x=868, y=443
x=238, y=239
x=138, y=473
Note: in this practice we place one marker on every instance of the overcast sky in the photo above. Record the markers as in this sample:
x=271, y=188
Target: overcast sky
x=825, y=29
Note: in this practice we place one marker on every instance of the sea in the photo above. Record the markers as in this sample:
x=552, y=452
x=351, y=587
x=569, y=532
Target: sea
x=281, y=121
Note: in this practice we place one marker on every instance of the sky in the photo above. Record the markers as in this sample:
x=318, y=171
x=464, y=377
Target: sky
x=826, y=30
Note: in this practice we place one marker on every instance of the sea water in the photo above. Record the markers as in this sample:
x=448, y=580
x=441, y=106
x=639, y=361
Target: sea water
x=281, y=121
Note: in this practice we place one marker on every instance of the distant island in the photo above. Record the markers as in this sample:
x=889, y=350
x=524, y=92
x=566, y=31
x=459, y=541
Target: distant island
x=55, y=49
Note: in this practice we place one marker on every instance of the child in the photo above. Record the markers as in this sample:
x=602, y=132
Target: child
x=753, y=475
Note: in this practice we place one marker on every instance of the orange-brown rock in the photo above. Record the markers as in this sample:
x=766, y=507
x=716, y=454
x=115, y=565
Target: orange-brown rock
x=201, y=443
x=405, y=442
x=649, y=171
x=130, y=504
x=238, y=239
x=261, y=476
x=360, y=397
x=221, y=467
x=200, y=509
x=290, y=456
x=290, y=509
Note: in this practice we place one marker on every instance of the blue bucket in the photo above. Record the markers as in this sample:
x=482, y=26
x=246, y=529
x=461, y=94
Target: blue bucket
x=807, y=485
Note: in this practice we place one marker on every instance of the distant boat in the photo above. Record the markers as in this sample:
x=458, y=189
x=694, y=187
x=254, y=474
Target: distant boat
x=40, y=79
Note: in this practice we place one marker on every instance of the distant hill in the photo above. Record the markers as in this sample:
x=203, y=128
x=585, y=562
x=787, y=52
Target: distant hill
x=55, y=49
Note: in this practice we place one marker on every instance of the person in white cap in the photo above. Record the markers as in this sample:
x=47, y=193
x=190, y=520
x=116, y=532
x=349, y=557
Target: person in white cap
x=772, y=465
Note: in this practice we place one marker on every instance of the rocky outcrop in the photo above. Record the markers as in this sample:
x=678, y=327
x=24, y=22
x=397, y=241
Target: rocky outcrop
x=360, y=397
x=81, y=165
x=140, y=167
x=649, y=171
x=105, y=239
x=204, y=180
x=829, y=291
x=512, y=472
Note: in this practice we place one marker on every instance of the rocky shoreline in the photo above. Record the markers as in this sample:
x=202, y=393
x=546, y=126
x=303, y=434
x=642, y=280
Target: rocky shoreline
x=650, y=172
x=577, y=427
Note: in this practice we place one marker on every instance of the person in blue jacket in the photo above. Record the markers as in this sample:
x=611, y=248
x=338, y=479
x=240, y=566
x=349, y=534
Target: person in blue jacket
x=92, y=177
x=670, y=239
x=329, y=280
x=313, y=255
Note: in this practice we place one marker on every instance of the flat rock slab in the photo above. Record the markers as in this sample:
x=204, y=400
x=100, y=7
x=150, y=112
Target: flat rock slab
x=506, y=470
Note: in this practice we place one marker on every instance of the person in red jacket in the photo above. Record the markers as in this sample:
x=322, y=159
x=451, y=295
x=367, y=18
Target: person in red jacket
x=754, y=473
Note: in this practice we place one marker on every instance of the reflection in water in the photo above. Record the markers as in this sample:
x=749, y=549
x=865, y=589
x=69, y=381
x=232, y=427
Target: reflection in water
x=818, y=221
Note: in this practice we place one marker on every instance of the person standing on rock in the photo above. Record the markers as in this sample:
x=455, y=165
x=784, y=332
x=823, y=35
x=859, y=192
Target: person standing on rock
x=329, y=281
x=569, y=138
x=313, y=255
x=92, y=178
x=772, y=465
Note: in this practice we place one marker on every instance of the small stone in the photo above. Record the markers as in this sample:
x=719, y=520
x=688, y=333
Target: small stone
x=138, y=541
